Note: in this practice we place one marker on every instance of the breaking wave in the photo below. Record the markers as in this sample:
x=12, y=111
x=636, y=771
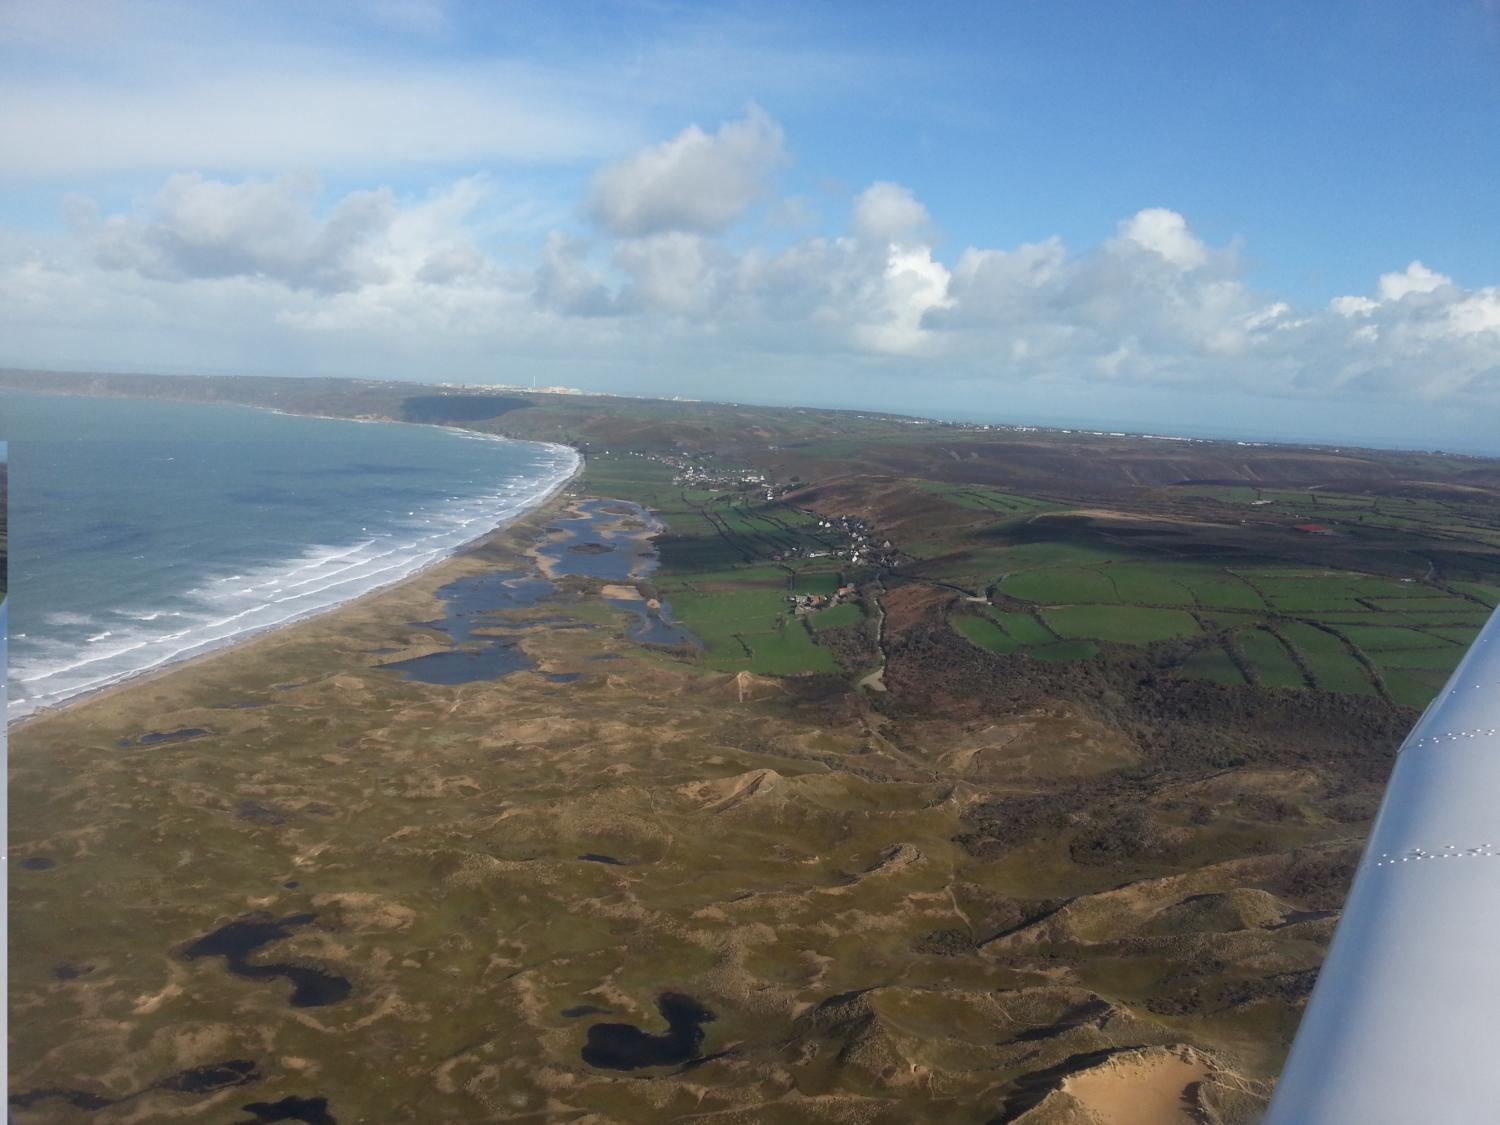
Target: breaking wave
x=83, y=653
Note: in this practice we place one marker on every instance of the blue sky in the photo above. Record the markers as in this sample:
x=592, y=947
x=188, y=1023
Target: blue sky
x=1205, y=216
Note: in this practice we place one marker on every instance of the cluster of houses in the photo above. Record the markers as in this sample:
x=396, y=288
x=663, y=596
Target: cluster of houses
x=694, y=475
x=803, y=604
x=856, y=538
x=859, y=546
x=691, y=470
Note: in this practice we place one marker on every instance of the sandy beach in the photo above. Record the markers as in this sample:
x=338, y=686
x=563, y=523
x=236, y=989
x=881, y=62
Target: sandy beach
x=546, y=502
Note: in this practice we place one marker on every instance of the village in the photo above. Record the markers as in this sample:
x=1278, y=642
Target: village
x=848, y=539
x=692, y=470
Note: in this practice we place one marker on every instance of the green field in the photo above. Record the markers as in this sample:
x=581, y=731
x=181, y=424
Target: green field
x=1443, y=659
x=1008, y=633
x=718, y=572
x=850, y=613
x=1087, y=592
x=1145, y=585
x=1333, y=666
x=985, y=633
x=1064, y=651
x=1060, y=584
x=1227, y=592
x=1122, y=624
x=1392, y=630
x=1213, y=663
x=1489, y=595
x=1375, y=638
x=1027, y=629
x=1272, y=662
x=979, y=498
x=1413, y=688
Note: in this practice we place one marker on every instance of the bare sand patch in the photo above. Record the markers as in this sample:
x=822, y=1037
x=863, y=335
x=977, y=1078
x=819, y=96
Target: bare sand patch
x=1145, y=1089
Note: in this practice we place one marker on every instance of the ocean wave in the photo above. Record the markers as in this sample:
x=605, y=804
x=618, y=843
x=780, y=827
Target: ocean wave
x=146, y=615
x=65, y=618
x=226, y=608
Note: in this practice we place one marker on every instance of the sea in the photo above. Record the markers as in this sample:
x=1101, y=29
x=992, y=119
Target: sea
x=146, y=532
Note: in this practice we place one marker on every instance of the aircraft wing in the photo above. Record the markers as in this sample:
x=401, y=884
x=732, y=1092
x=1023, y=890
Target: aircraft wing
x=1404, y=1024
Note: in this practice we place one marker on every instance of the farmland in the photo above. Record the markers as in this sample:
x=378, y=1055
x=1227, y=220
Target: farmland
x=1216, y=582
x=729, y=563
x=1244, y=618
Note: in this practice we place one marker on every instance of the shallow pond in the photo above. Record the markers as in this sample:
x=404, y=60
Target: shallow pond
x=235, y=942
x=603, y=540
x=623, y=1046
x=654, y=626
x=471, y=604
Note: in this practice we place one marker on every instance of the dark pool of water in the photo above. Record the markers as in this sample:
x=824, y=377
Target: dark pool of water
x=589, y=545
x=215, y=1076
x=310, y=1111
x=623, y=1046
x=79, y=1099
x=38, y=863
x=197, y=1080
x=654, y=626
x=469, y=605
x=464, y=665
x=584, y=1010
x=235, y=942
x=595, y=857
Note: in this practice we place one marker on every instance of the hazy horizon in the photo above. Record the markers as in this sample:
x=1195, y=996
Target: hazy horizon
x=1480, y=443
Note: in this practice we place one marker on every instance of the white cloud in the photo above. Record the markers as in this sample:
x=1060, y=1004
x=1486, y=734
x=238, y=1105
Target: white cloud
x=696, y=181
x=887, y=213
x=1474, y=313
x=673, y=272
x=565, y=283
x=1415, y=278
x=911, y=286
x=200, y=228
x=204, y=229
x=1165, y=233
x=1420, y=312
x=990, y=286
x=1353, y=306
x=459, y=273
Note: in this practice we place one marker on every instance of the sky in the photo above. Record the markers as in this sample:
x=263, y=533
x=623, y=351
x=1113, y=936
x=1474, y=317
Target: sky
x=1275, y=220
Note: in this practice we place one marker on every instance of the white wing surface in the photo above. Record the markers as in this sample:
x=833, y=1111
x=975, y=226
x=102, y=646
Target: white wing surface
x=1404, y=1024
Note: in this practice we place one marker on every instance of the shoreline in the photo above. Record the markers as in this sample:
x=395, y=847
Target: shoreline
x=1051, y=426
x=250, y=637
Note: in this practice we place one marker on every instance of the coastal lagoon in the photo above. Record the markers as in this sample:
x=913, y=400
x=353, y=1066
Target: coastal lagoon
x=149, y=531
